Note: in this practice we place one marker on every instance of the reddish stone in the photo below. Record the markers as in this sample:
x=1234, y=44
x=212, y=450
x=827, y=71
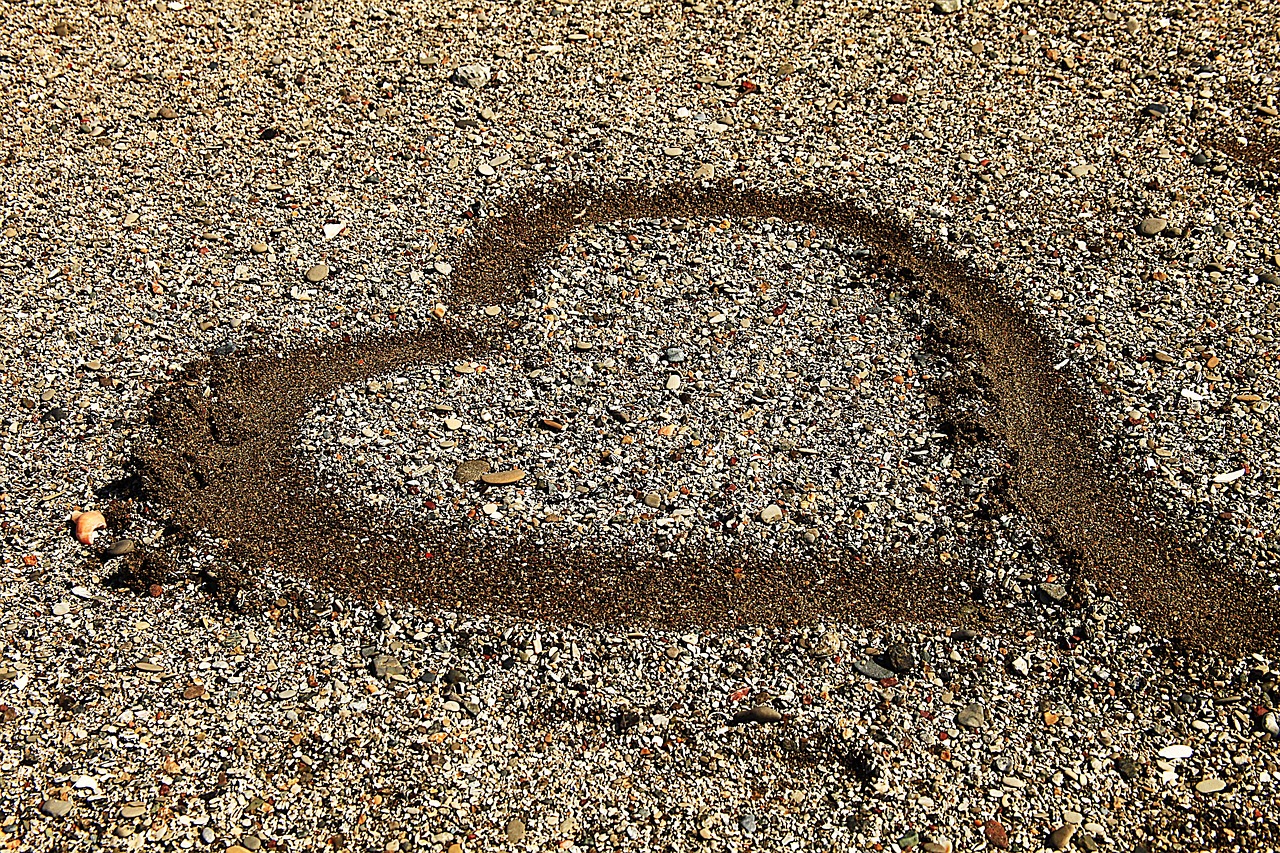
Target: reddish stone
x=995, y=834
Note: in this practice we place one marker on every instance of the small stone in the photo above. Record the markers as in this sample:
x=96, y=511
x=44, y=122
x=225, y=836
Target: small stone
x=318, y=273
x=1128, y=768
x=653, y=500
x=55, y=808
x=1176, y=751
x=502, y=478
x=972, y=716
x=515, y=831
x=771, y=513
x=1210, y=785
x=442, y=268
x=872, y=670
x=899, y=658
x=758, y=714
x=259, y=248
x=946, y=7
x=472, y=76
x=120, y=547
x=193, y=691
x=1061, y=837
x=747, y=823
x=996, y=835
x=131, y=810
x=208, y=836
x=673, y=382
x=62, y=608
x=1052, y=593
x=388, y=667
x=1152, y=226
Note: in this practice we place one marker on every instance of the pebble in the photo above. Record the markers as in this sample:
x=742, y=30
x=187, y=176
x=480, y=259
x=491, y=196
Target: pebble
x=758, y=714
x=56, y=808
x=1153, y=225
x=470, y=470
x=973, y=716
x=318, y=273
x=502, y=478
x=472, y=76
x=120, y=547
x=1210, y=785
x=1176, y=751
x=1061, y=837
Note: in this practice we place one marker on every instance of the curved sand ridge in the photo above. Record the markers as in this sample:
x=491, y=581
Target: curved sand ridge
x=225, y=461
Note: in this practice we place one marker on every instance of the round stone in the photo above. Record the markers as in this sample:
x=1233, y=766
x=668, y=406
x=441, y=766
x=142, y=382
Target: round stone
x=1152, y=226
x=470, y=470
x=318, y=273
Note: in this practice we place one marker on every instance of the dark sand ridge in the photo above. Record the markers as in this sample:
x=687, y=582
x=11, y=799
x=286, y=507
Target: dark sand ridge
x=224, y=461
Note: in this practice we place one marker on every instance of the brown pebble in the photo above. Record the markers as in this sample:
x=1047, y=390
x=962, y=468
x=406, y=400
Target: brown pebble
x=470, y=470
x=503, y=478
x=318, y=273
x=758, y=714
x=1060, y=837
x=193, y=691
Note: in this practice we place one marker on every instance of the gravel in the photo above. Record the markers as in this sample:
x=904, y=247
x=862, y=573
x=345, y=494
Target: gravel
x=639, y=427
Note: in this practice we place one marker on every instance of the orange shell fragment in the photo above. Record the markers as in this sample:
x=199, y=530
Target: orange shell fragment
x=87, y=525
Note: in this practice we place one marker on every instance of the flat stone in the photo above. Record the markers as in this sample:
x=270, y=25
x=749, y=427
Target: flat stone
x=55, y=808
x=502, y=478
x=1175, y=751
x=132, y=810
x=515, y=831
x=470, y=470
x=947, y=7
x=318, y=273
x=387, y=666
x=1152, y=226
x=771, y=513
x=972, y=716
x=872, y=670
x=1210, y=786
x=120, y=548
x=758, y=714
